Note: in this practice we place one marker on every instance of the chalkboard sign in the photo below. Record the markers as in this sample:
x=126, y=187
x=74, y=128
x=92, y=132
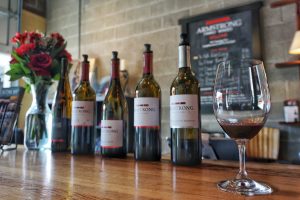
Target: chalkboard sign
x=230, y=33
x=10, y=102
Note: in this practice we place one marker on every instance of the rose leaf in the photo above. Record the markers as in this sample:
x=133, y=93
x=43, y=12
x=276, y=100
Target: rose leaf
x=18, y=58
x=26, y=70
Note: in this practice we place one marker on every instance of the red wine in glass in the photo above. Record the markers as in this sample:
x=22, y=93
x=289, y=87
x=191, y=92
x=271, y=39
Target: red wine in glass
x=241, y=103
x=241, y=130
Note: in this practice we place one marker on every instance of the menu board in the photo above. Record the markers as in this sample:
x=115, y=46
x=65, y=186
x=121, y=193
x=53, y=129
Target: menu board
x=214, y=37
x=10, y=101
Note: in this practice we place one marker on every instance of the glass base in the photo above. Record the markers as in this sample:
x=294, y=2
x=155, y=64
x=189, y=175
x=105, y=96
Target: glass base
x=245, y=187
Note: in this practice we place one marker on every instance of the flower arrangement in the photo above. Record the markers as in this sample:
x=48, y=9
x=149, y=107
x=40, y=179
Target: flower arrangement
x=36, y=57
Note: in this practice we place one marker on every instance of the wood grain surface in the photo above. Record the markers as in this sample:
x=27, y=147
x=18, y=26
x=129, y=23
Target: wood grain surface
x=42, y=175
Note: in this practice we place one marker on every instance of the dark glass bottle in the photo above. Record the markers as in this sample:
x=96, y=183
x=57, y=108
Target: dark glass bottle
x=114, y=116
x=62, y=109
x=147, y=113
x=83, y=114
x=185, y=112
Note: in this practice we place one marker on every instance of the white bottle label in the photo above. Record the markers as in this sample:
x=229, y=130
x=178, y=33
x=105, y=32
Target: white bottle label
x=146, y=112
x=83, y=113
x=184, y=111
x=291, y=113
x=111, y=133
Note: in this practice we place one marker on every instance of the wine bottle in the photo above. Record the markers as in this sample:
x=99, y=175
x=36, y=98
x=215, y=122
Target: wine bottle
x=83, y=114
x=184, y=112
x=61, y=109
x=147, y=113
x=114, y=115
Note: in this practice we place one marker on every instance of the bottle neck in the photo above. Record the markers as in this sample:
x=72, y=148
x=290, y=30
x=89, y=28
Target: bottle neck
x=184, y=57
x=64, y=71
x=115, y=83
x=115, y=69
x=184, y=70
x=85, y=72
x=148, y=64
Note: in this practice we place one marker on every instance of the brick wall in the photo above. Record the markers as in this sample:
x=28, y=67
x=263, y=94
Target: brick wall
x=125, y=25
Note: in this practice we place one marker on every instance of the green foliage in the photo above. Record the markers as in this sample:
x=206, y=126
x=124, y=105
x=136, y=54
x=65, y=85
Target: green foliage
x=56, y=77
x=15, y=56
x=55, y=52
x=27, y=88
x=25, y=69
x=15, y=72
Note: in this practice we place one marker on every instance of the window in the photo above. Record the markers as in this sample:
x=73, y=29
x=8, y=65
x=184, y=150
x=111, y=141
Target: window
x=9, y=21
x=4, y=67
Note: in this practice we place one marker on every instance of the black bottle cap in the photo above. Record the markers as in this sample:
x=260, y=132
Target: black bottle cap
x=147, y=48
x=115, y=55
x=85, y=58
x=184, y=41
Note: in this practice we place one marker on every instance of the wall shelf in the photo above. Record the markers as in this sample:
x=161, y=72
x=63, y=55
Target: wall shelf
x=295, y=63
x=295, y=124
x=282, y=3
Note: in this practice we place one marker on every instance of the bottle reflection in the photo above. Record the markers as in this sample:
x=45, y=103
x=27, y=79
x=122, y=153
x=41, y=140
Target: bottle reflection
x=34, y=161
x=136, y=175
x=174, y=179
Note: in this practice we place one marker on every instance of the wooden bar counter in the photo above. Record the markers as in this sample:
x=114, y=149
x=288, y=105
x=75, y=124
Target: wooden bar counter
x=42, y=175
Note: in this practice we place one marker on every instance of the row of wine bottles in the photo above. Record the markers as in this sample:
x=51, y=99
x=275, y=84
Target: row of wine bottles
x=74, y=117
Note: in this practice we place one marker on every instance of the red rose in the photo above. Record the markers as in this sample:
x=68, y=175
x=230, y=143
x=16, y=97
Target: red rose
x=24, y=48
x=59, y=39
x=21, y=38
x=33, y=36
x=41, y=64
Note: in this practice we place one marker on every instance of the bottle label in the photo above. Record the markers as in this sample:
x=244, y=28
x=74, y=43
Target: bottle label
x=57, y=132
x=146, y=112
x=111, y=133
x=83, y=113
x=184, y=111
x=60, y=129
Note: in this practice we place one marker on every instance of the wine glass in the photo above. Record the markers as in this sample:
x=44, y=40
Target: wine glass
x=241, y=103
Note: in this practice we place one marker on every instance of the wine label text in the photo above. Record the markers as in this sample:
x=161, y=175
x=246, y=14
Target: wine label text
x=184, y=111
x=111, y=133
x=83, y=113
x=146, y=112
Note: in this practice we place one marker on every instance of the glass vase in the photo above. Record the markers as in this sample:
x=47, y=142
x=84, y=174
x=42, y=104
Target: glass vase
x=37, y=134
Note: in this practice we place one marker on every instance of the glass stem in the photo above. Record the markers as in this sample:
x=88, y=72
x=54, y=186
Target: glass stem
x=242, y=148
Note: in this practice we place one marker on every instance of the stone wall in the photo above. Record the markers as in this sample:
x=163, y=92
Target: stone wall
x=125, y=25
